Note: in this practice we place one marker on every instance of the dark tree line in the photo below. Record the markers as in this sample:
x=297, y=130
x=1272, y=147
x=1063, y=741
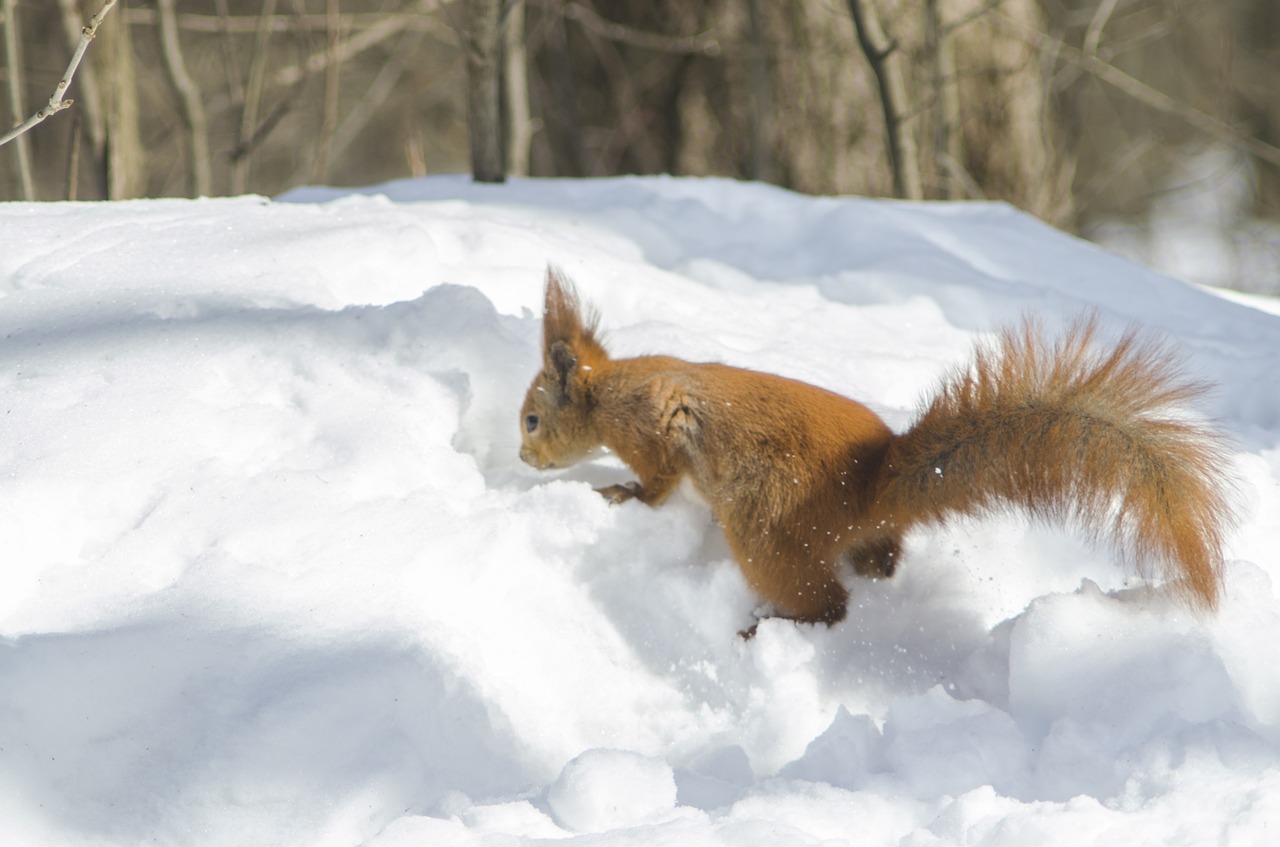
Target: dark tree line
x=1070, y=109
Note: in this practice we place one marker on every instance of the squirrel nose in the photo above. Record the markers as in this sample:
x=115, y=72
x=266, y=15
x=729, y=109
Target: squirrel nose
x=531, y=458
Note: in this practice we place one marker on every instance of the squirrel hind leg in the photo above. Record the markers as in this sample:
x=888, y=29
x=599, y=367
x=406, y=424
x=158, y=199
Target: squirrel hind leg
x=800, y=585
x=876, y=559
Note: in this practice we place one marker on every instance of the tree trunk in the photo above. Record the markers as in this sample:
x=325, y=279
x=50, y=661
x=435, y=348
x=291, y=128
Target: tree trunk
x=113, y=64
x=188, y=93
x=516, y=72
x=884, y=58
x=13, y=58
x=484, y=91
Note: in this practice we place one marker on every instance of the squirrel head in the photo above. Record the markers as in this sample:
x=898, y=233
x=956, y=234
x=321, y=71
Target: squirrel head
x=556, y=427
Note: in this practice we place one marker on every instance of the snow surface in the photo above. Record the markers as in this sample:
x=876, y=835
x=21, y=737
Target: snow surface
x=273, y=574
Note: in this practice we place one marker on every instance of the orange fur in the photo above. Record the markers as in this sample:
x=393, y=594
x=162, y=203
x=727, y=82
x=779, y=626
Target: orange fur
x=802, y=479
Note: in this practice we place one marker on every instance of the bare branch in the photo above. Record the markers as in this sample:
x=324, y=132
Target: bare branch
x=230, y=64
x=1093, y=35
x=1149, y=96
x=373, y=98
x=56, y=102
x=91, y=100
x=901, y=145
x=388, y=26
x=329, y=119
x=248, y=24
x=950, y=27
x=252, y=100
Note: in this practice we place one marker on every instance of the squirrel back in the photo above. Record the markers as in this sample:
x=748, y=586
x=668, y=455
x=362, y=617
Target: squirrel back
x=802, y=479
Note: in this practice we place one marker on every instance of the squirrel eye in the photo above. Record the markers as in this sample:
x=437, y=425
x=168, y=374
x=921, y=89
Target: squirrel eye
x=530, y=423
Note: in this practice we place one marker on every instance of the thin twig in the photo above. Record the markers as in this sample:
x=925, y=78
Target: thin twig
x=950, y=27
x=247, y=24
x=356, y=44
x=375, y=95
x=230, y=63
x=958, y=173
x=90, y=93
x=56, y=102
x=73, y=158
x=252, y=101
x=329, y=119
x=1152, y=97
x=1093, y=35
x=240, y=153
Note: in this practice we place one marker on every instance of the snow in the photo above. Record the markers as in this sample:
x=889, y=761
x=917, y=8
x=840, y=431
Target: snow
x=273, y=573
x=1201, y=225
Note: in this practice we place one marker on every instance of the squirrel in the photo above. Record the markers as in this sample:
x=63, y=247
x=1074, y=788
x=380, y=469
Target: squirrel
x=802, y=479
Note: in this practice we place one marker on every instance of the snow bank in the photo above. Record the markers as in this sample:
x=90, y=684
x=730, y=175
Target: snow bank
x=273, y=573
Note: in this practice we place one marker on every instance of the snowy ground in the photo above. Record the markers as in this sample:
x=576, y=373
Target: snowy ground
x=273, y=575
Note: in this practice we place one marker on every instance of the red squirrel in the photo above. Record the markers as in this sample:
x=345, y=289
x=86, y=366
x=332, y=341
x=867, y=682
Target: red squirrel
x=802, y=479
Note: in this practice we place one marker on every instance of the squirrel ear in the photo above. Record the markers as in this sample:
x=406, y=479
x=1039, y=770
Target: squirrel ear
x=560, y=311
x=566, y=318
x=562, y=363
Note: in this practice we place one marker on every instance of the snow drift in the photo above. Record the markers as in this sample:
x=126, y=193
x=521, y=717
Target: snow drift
x=274, y=574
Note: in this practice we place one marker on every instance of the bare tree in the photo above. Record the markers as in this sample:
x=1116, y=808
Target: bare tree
x=13, y=57
x=516, y=78
x=189, y=96
x=1000, y=99
x=880, y=53
x=248, y=129
x=484, y=67
x=329, y=120
x=126, y=161
x=761, y=161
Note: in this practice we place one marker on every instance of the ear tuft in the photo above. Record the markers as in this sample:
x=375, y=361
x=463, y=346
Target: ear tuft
x=566, y=320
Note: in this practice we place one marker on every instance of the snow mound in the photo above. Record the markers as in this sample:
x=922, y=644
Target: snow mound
x=274, y=574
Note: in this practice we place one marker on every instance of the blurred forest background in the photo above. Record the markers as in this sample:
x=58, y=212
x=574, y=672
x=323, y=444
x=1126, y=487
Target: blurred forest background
x=1152, y=126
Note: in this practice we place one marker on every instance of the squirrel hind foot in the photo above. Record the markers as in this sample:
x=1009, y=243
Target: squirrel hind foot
x=876, y=559
x=828, y=605
x=620, y=493
x=830, y=618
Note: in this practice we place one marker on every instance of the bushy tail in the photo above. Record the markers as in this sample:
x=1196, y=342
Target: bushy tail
x=1069, y=432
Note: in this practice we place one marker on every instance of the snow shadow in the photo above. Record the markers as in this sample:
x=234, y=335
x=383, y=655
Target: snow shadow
x=128, y=733
x=984, y=264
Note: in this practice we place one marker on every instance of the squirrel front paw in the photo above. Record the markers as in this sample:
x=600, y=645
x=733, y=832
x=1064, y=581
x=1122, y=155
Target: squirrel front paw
x=620, y=493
